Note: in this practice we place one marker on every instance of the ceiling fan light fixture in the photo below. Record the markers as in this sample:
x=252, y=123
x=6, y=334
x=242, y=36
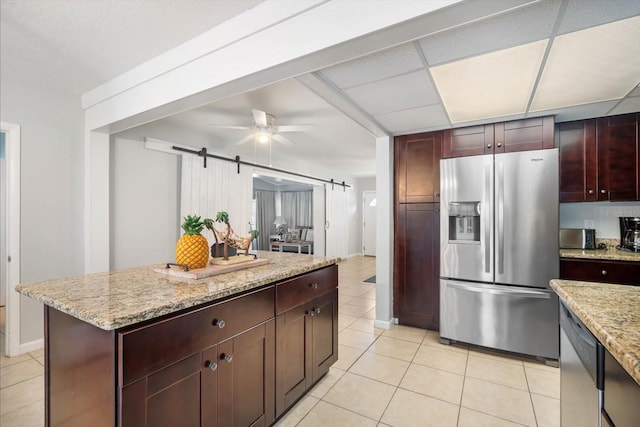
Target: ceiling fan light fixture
x=263, y=137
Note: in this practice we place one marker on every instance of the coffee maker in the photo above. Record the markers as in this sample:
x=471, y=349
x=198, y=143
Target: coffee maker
x=629, y=234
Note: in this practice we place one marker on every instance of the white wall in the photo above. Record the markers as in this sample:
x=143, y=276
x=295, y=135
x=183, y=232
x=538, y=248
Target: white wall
x=145, y=202
x=355, y=226
x=604, y=214
x=52, y=186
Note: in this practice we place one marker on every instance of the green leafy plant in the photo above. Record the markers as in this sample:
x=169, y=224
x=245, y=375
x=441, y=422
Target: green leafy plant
x=192, y=225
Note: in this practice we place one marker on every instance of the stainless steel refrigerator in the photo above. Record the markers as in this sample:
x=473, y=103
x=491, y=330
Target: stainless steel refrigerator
x=499, y=249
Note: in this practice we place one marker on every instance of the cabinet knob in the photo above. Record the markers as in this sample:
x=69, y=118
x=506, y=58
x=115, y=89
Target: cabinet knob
x=437, y=194
x=499, y=144
x=590, y=191
x=219, y=323
x=488, y=145
x=604, y=272
x=226, y=357
x=311, y=312
x=318, y=310
x=211, y=365
x=313, y=285
x=603, y=191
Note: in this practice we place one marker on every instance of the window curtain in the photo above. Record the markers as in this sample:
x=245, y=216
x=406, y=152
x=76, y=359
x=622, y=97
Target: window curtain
x=297, y=208
x=265, y=215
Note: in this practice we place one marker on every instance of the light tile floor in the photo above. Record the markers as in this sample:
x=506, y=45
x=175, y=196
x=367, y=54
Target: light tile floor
x=400, y=377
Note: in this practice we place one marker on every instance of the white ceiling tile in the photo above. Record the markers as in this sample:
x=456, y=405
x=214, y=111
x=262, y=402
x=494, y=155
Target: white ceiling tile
x=431, y=116
x=578, y=112
x=628, y=105
x=581, y=14
x=521, y=26
x=396, y=93
x=592, y=65
x=390, y=62
x=492, y=85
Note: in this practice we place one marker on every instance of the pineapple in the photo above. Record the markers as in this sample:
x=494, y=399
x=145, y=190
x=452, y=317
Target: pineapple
x=192, y=249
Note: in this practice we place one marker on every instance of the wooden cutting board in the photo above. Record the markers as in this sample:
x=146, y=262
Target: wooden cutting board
x=210, y=270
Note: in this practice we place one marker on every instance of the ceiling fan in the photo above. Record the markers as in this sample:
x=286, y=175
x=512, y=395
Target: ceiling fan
x=266, y=129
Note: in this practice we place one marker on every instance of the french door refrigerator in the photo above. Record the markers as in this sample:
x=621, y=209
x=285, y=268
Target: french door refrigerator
x=499, y=249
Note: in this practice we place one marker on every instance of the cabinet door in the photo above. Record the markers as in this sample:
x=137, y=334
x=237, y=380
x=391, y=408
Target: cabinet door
x=293, y=356
x=417, y=265
x=618, y=157
x=578, y=173
x=324, y=312
x=524, y=135
x=467, y=141
x=417, y=165
x=246, y=385
x=169, y=397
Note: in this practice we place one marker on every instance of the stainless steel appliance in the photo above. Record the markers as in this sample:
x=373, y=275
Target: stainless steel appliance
x=577, y=238
x=630, y=234
x=581, y=373
x=499, y=249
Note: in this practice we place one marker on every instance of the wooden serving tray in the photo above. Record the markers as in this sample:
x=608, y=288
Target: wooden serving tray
x=210, y=270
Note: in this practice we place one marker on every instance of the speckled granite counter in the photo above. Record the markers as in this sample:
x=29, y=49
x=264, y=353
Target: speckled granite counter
x=610, y=253
x=116, y=299
x=612, y=314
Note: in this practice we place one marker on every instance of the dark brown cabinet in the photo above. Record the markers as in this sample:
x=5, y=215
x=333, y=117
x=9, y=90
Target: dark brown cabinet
x=618, y=157
x=517, y=135
x=578, y=172
x=307, y=333
x=600, y=159
x=417, y=167
x=622, y=272
x=417, y=265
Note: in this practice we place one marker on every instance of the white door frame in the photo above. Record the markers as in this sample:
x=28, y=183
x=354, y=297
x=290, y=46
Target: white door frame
x=12, y=153
x=364, y=208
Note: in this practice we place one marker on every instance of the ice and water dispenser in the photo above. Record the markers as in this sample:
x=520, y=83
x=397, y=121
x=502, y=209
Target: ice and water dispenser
x=464, y=222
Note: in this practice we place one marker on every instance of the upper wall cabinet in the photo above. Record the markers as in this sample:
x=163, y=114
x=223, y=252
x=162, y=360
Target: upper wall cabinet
x=618, y=157
x=518, y=135
x=599, y=159
x=417, y=162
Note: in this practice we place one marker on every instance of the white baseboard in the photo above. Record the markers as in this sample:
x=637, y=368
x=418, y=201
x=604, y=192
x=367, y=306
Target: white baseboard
x=382, y=324
x=28, y=347
x=353, y=255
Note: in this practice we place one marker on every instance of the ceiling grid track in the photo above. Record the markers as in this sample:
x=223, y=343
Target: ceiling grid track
x=425, y=63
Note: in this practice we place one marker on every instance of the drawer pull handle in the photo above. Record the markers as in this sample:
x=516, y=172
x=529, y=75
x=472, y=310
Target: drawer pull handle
x=211, y=365
x=226, y=357
x=604, y=272
x=219, y=323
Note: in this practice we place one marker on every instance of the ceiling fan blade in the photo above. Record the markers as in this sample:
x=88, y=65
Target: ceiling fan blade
x=283, y=140
x=231, y=127
x=260, y=117
x=246, y=139
x=293, y=128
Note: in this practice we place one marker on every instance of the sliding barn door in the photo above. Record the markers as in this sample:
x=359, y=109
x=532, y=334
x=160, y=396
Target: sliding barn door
x=319, y=220
x=337, y=221
x=218, y=187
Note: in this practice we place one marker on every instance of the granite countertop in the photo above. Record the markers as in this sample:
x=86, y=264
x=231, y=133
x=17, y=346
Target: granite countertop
x=116, y=299
x=612, y=314
x=608, y=254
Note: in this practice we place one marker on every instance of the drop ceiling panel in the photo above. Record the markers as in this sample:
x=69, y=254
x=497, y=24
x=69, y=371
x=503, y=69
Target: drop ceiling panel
x=431, y=116
x=381, y=65
x=593, y=65
x=524, y=25
x=396, y=93
x=581, y=14
x=492, y=85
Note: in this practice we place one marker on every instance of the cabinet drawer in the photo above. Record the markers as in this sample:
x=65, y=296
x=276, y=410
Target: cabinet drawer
x=621, y=272
x=146, y=349
x=297, y=291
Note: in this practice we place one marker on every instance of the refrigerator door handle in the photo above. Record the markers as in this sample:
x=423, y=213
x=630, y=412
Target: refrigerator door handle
x=516, y=292
x=486, y=214
x=500, y=197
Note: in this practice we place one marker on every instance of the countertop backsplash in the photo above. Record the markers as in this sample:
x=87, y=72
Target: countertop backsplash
x=602, y=215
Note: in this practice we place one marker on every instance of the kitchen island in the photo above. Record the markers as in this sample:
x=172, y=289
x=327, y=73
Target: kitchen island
x=135, y=347
x=612, y=313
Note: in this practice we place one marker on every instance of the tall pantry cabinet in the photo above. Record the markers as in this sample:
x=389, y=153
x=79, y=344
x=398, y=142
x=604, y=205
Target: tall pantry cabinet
x=416, y=285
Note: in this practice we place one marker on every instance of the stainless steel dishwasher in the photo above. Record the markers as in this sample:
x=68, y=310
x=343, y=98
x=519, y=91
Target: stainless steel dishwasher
x=581, y=373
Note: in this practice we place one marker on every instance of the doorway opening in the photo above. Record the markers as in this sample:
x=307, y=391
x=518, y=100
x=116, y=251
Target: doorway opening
x=369, y=223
